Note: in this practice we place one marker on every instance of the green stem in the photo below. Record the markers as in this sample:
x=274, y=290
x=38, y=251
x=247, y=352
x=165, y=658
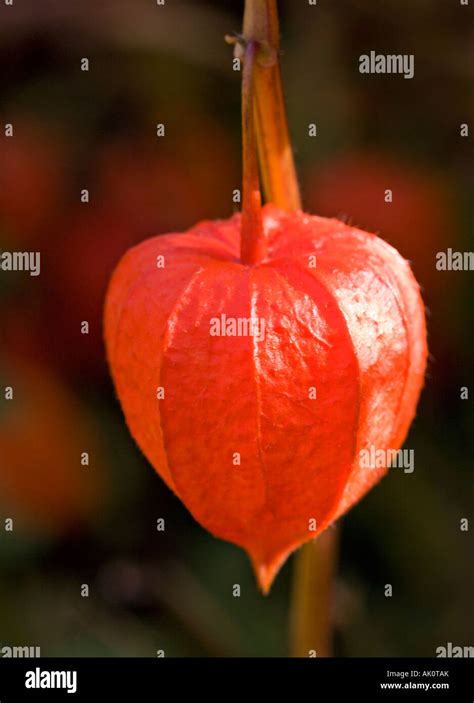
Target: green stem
x=311, y=608
x=276, y=156
x=252, y=241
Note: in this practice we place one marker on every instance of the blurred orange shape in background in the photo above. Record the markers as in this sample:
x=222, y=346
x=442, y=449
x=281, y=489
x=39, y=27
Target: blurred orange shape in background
x=43, y=435
x=418, y=222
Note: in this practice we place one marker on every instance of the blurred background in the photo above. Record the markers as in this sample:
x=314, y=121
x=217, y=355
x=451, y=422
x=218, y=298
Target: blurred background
x=93, y=519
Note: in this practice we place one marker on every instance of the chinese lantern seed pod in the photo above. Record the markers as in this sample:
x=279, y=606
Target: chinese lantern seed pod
x=274, y=375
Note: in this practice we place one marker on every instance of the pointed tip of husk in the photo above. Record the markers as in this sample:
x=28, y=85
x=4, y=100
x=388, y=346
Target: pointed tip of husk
x=265, y=577
x=266, y=570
